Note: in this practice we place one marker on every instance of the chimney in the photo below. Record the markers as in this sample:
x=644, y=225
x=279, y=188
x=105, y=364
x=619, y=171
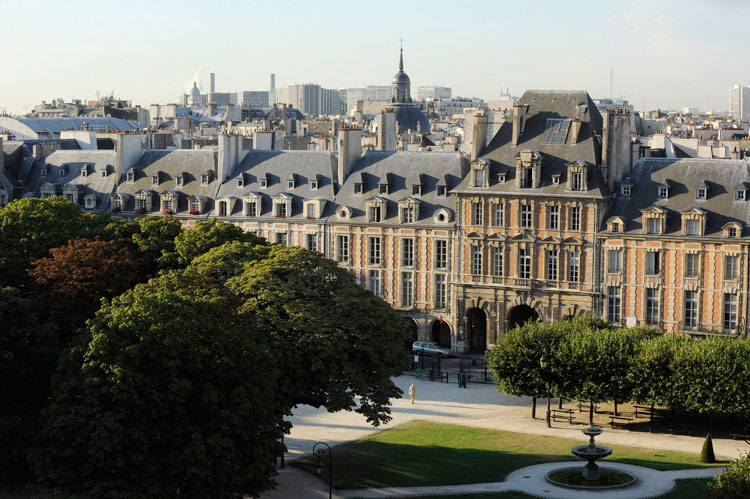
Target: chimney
x=273, y=81
x=230, y=155
x=386, y=130
x=350, y=150
x=479, y=138
x=519, y=121
x=213, y=83
x=617, y=147
x=575, y=130
x=129, y=148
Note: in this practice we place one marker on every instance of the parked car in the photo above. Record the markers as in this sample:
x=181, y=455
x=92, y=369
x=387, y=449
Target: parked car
x=430, y=348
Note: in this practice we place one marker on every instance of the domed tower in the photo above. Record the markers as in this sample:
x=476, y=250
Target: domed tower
x=195, y=95
x=401, y=84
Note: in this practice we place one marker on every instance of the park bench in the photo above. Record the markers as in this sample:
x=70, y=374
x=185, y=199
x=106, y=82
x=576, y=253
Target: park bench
x=680, y=429
x=647, y=409
x=564, y=414
x=621, y=421
x=739, y=434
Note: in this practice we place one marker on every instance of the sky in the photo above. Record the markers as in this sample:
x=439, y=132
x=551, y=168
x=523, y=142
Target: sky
x=663, y=53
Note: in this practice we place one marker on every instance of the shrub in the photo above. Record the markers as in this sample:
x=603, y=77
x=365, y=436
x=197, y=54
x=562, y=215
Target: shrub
x=734, y=483
x=707, y=452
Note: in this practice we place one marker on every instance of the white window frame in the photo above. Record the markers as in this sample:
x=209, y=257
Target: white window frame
x=691, y=309
x=441, y=253
x=575, y=218
x=551, y=267
x=342, y=248
x=407, y=289
x=553, y=220
x=614, y=303
x=652, y=306
x=476, y=260
x=441, y=291
x=497, y=261
x=574, y=266
x=524, y=263
x=374, y=250
x=407, y=252
x=729, y=318
x=525, y=216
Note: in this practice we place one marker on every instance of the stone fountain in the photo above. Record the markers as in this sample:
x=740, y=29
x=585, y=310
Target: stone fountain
x=591, y=453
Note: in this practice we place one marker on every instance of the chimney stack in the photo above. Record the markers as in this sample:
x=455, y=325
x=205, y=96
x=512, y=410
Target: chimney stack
x=350, y=150
x=479, y=138
x=386, y=121
x=575, y=130
x=519, y=121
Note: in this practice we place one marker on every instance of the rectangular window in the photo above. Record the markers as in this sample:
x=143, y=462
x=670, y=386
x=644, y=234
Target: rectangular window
x=441, y=254
x=142, y=203
x=663, y=192
x=497, y=261
x=374, y=213
x=357, y=188
x=730, y=312
x=117, y=203
x=476, y=260
x=573, y=266
x=478, y=178
x=524, y=263
x=730, y=267
x=311, y=241
x=375, y=282
x=310, y=210
x=577, y=181
x=553, y=221
x=691, y=265
x=613, y=303
x=440, y=290
x=575, y=218
x=498, y=215
x=692, y=228
x=476, y=213
x=552, y=265
x=406, y=289
x=525, y=216
x=374, y=251
x=407, y=214
x=251, y=208
x=739, y=195
x=342, y=249
x=614, y=261
x=526, y=178
x=653, y=225
x=652, y=306
x=407, y=252
x=691, y=309
x=653, y=263
x=281, y=238
x=281, y=210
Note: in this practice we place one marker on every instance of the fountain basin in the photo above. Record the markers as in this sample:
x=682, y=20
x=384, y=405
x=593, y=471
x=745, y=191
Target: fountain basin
x=589, y=452
x=571, y=478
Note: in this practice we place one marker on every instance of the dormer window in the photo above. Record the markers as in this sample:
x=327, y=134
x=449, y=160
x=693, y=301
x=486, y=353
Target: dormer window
x=252, y=205
x=625, y=189
x=408, y=209
x=654, y=220
x=204, y=178
x=576, y=183
x=732, y=229
x=130, y=176
x=740, y=194
x=61, y=172
x=528, y=166
x=527, y=175
x=555, y=179
x=264, y=182
x=310, y=211
x=358, y=188
x=663, y=192
x=480, y=169
x=700, y=193
x=155, y=180
x=314, y=183
x=291, y=182
x=442, y=191
x=179, y=180
x=615, y=227
x=383, y=188
x=501, y=178
x=84, y=171
x=416, y=190
x=376, y=209
x=732, y=232
x=43, y=173
x=282, y=206
x=615, y=224
x=104, y=172
x=240, y=182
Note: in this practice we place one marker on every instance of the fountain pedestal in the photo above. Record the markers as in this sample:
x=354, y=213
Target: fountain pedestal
x=591, y=453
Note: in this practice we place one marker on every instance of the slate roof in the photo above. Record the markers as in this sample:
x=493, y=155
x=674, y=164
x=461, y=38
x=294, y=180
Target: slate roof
x=47, y=125
x=277, y=167
x=683, y=176
x=169, y=164
x=71, y=163
x=402, y=170
x=537, y=134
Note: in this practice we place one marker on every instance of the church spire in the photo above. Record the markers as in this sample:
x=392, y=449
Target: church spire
x=401, y=59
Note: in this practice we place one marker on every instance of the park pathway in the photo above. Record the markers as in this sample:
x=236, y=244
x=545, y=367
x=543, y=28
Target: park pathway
x=479, y=405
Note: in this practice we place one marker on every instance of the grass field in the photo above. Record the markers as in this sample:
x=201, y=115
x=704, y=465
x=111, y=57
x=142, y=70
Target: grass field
x=426, y=453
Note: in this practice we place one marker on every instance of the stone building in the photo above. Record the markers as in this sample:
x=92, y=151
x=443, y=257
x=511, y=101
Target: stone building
x=675, y=247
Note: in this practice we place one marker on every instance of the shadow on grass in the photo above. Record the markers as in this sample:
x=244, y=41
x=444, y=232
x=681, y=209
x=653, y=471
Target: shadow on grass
x=422, y=453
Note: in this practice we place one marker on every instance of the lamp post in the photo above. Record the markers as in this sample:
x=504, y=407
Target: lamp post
x=544, y=364
x=319, y=449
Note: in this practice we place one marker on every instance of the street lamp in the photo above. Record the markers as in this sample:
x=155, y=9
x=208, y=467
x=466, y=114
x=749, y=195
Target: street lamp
x=319, y=450
x=544, y=364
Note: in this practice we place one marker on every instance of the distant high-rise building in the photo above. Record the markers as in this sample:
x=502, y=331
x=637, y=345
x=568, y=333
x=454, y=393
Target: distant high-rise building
x=272, y=91
x=256, y=99
x=213, y=83
x=305, y=97
x=331, y=101
x=369, y=93
x=739, y=102
x=433, y=92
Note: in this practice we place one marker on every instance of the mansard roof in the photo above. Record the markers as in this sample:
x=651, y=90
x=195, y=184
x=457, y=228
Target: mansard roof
x=544, y=105
x=277, y=167
x=685, y=175
x=403, y=170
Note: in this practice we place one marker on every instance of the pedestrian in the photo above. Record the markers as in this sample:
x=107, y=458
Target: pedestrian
x=412, y=392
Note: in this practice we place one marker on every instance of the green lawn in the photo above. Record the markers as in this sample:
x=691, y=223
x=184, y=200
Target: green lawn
x=426, y=453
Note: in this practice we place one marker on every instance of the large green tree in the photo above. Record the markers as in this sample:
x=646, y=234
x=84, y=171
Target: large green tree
x=206, y=235
x=168, y=395
x=337, y=345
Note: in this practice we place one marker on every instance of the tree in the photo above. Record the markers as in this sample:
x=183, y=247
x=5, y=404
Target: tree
x=28, y=356
x=229, y=259
x=168, y=394
x=29, y=227
x=206, y=235
x=707, y=452
x=75, y=277
x=334, y=342
x=154, y=241
x=734, y=483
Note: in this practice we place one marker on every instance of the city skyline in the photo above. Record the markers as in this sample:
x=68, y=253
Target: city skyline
x=149, y=53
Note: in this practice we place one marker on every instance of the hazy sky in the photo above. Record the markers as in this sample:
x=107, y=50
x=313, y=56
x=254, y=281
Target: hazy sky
x=664, y=53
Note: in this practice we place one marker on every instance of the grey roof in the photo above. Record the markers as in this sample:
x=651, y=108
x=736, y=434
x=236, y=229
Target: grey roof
x=408, y=116
x=403, y=169
x=721, y=176
x=550, y=139
x=277, y=167
x=72, y=163
x=42, y=125
x=169, y=164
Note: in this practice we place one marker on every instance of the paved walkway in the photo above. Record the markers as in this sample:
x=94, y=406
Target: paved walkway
x=479, y=405
x=651, y=483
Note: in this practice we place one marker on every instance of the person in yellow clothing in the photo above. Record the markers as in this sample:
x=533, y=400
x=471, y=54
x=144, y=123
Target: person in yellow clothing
x=412, y=392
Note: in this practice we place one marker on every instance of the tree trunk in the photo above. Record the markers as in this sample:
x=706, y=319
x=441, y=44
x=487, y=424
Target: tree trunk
x=559, y=405
x=533, y=408
x=616, y=408
x=651, y=419
x=591, y=413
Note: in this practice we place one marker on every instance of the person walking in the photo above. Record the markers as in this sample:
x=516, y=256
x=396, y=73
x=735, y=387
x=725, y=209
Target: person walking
x=412, y=392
